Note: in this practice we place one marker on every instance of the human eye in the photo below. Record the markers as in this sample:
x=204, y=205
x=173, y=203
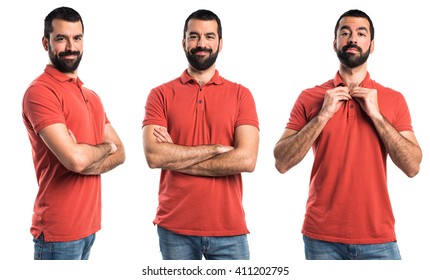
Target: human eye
x=192, y=36
x=59, y=38
x=344, y=33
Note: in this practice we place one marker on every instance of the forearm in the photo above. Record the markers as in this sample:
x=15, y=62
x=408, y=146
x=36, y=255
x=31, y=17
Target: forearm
x=230, y=163
x=170, y=156
x=405, y=154
x=161, y=152
x=88, y=159
x=291, y=149
x=106, y=164
x=83, y=158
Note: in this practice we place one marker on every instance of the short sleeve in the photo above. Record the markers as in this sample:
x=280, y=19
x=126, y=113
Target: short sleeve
x=247, y=111
x=154, y=109
x=42, y=107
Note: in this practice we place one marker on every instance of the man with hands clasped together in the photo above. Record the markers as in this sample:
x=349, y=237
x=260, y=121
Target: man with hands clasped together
x=352, y=123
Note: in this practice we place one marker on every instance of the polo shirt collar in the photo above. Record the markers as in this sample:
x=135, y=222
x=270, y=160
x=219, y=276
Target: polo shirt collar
x=59, y=76
x=367, y=82
x=216, y=78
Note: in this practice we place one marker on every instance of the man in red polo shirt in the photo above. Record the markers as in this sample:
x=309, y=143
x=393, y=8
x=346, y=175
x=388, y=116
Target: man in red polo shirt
x=352, y=123
x=202, y=131
x=73, y=143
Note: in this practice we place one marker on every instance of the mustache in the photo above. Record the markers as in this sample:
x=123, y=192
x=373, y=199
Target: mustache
x=66, y=53
x=200, y=49
x=352, y=46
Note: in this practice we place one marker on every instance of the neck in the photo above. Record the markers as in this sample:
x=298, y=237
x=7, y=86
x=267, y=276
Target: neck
x=353, y=76
x=73, y=74
x=201, y=76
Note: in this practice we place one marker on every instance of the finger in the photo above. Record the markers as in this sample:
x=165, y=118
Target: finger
x=341, y=97
x=159, y=134
x=161, y=139
x=168, y=138
x=345, y=88
x=164, y=135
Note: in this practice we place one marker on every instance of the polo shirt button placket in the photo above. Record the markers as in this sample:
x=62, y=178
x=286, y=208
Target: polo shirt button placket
x=200, y=99
x=351, y=111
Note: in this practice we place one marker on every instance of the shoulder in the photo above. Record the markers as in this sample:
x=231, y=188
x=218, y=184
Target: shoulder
x=383, y=88
x=318, y=90
x=233, y=87
x=168, y=86
x=386, y=92
x=40, y=87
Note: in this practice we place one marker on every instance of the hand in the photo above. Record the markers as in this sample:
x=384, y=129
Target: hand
x=333, y=100
x=368, y=100
x=161, y=135
x=224, y=149
x=113, y=147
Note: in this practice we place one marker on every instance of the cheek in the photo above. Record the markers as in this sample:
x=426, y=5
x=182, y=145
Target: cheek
x=79, y=45
x=338, y=45
x=54, y=48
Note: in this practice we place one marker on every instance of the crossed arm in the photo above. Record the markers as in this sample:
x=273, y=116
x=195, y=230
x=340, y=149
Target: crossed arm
x=203, y=160
x=80, y=157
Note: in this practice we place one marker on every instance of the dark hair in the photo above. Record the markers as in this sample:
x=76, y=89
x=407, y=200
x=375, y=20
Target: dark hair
x=204, y=15
x=356, y=13
x=64, y=13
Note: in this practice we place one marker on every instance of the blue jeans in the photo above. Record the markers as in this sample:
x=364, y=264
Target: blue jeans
x=323, y=250
x=185, y=247
x=71, y=250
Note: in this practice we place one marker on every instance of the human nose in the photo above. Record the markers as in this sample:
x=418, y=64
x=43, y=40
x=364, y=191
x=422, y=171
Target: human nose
x=70, y=45
x=353, y=38
x=201, y=42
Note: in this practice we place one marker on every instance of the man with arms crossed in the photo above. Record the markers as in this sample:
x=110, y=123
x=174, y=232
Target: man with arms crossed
x=352, y=123
x=73, y=143
x=202, y=131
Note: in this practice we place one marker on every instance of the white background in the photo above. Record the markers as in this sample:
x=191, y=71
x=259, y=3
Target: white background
x=276, y=49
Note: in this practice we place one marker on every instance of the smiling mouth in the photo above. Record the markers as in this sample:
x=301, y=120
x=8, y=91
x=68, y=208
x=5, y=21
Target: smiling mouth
x=69, y=54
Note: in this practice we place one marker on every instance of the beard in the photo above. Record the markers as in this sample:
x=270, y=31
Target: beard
x=352, y=60
x=198, y=62
x=62, y=64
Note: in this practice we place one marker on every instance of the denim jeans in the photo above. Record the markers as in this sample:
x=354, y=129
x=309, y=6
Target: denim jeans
x=322, y=250
x=185, y=247
x=70, y=250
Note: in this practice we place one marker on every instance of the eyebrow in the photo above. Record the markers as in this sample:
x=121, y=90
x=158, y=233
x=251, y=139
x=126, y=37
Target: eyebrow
x=64, y=35
x=196, y=33
x=349, y=28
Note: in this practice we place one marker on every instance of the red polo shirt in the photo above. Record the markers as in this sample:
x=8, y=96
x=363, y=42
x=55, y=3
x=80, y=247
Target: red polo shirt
x=199, y=115
x=67, y=205
x=348, y=197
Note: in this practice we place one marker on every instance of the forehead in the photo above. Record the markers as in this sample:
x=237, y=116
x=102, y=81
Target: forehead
x=354, y=23
x=60, y=26
x=202, y=26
